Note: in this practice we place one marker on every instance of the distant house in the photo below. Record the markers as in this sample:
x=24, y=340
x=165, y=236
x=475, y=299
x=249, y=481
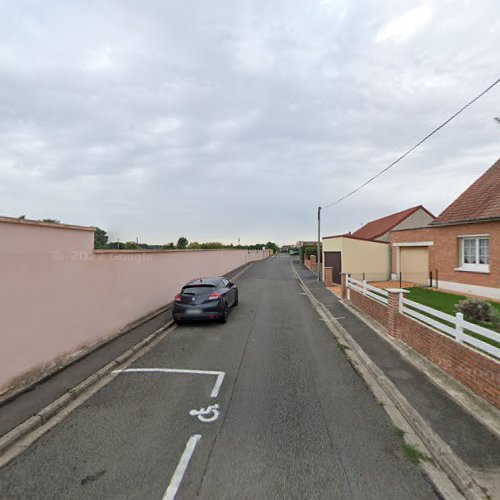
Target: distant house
x=379, y=229
x=303, y=243
x=366, y=252
x=461, y=246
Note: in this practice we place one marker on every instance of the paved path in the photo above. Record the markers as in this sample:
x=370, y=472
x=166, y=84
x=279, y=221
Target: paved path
x=296, y=421
x=470, y=440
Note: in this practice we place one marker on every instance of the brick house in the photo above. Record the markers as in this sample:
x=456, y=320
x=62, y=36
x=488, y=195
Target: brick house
x=462, y=244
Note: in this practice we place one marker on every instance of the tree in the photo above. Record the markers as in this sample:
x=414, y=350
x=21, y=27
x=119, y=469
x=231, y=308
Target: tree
x=212, y=245
x=132, y=245
x=100, y=238
x=194, y=245
x=272, y=246
x=168, y=246
x=52, y=221
x=182, y=242
x=22, y=217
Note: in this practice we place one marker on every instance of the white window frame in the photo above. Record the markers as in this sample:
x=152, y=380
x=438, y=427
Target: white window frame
x=474, y=267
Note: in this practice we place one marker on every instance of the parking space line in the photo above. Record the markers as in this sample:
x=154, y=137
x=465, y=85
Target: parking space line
x=181, y=467
x=215, y=390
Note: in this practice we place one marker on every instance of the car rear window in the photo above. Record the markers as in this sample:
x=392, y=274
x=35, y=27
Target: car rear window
x=197, y=289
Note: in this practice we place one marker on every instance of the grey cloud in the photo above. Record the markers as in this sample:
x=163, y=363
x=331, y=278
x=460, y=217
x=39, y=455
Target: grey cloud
x=151, y=118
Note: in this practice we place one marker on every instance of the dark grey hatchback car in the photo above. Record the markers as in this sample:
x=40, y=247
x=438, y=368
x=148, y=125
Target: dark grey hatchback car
x=205, y=298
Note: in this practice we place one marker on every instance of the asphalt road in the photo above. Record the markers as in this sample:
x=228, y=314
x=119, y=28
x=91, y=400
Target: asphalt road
x=295, y=421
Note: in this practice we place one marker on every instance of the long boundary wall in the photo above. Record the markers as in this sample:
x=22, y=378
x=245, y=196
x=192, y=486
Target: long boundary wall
x=59, y=297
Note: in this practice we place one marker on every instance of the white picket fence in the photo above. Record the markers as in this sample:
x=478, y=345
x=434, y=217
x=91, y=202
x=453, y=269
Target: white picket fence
x=457, y=328
x=368, y=290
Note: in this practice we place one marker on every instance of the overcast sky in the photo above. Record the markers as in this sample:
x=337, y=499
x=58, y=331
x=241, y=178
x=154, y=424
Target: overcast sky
x=224, y=119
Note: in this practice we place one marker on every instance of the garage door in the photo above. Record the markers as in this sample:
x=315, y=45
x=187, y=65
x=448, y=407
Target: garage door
x=415, y=264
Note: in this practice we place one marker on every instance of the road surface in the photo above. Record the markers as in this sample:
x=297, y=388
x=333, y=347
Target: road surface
x=295, y=420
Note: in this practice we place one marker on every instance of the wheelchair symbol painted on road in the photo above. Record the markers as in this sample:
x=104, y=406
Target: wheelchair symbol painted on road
x=209, y=414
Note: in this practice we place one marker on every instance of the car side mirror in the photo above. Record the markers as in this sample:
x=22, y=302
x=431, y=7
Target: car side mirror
x=230, y=284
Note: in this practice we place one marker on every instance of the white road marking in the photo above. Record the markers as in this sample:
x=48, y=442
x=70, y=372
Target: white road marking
x=203, y=413
x=176, y=480
x=215, y=390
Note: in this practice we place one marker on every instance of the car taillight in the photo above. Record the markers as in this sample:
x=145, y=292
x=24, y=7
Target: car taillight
x=214, y=296
x=177, y=297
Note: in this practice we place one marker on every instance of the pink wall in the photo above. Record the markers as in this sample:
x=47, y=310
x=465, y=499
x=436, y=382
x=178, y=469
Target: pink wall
x=59, y=297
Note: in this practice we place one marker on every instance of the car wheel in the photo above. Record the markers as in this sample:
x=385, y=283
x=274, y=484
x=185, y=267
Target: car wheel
x=224, y=315
x=236, y=300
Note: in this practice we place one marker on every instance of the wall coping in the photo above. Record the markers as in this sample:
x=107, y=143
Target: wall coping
x=30, y=222
x=173, y=250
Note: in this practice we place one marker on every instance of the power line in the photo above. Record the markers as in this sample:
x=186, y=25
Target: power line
x=463, y=108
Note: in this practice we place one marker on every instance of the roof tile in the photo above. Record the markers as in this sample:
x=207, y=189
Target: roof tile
x=481, y=200
x=378, y=227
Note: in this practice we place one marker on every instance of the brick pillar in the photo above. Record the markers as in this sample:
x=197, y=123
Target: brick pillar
x=329, y=276
x=395, y=295
x=312, y=259
x=343, y=285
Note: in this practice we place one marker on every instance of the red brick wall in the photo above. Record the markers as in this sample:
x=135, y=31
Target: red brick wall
x=476, y=371
x=444, y=254
x=376, y=310
x=310, y=264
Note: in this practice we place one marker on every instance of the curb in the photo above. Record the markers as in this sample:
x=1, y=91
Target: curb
x=440, y=451
x=10, y=395
x=482, y=411
x=12, y=437
x=52, y=409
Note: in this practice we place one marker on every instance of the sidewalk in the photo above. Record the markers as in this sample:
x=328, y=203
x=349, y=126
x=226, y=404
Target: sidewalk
x=21, y=407
x=470, y=440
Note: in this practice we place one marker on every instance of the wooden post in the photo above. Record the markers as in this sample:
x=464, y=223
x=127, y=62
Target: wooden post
x=459, y=327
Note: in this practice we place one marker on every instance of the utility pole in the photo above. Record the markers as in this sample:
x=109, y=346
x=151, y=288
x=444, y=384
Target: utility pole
x=318, y=260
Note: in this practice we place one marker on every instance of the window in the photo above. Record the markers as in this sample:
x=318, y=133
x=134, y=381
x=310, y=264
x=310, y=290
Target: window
x=197, y=290
x=484, y=251
x=474, y=254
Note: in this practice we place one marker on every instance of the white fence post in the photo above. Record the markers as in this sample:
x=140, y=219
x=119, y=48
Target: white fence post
x=364, y=287
x=459, y=327
x=400, y=302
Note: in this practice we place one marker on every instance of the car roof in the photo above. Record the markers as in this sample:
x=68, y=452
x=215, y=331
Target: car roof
x=205, y=281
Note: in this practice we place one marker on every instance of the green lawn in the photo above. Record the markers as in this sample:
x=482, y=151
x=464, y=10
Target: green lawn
x=445, y=302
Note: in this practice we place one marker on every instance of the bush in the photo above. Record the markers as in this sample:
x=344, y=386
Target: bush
x=477, y=310
x=308, y=251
